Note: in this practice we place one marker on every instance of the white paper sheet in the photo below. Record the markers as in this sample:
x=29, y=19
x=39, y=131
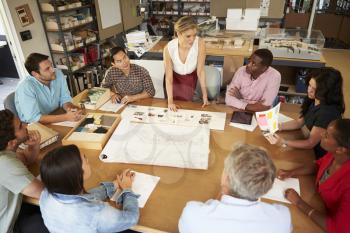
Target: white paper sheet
x=189, y=118
x=284, y=118
x=249, y=128
x=158, y=144
x=276, y=193
x=71, y=124
x=111, y=107
x=143, y=185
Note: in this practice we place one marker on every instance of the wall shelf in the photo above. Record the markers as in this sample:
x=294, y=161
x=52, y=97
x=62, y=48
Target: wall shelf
x=71, y=33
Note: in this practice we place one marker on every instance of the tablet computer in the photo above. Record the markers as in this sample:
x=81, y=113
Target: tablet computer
x=242, y=118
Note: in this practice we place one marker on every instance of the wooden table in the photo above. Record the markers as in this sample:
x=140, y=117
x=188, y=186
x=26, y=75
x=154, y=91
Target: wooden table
x=178, y=186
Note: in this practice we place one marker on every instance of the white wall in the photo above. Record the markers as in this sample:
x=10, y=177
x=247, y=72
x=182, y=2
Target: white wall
x=2, y=30
x=38, y=43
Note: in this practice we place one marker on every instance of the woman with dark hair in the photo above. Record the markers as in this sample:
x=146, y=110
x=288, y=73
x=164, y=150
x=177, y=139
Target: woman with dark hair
x=332, y=180
x=323, y=104
x=128, y=82
x=67, y=207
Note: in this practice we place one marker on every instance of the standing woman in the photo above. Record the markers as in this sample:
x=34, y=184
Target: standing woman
x=184, y=59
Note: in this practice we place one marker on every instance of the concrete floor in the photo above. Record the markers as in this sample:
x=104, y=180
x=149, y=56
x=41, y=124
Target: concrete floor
x=9, y=85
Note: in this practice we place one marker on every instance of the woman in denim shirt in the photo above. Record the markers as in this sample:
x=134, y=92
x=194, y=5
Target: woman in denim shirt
x=67, y=207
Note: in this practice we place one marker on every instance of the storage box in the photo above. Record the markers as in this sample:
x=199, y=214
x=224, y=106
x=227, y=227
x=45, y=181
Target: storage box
x=74, y=5
x=51, y=25
x=47, y=7
x=93, y=98
x=93, y=131
x=57, y=47
x=90, y=39
x=293, y=43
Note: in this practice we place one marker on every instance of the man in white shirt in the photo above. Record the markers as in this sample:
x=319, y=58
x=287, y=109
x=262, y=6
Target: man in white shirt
x=248, y=174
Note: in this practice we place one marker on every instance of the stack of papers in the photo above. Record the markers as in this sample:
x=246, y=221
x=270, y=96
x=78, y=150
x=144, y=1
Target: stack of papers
x=276, y=193
x=246, y=20
x=136, y=37
x=143, y=185
x=48, y=135
x=111, y=107
x=70, y=124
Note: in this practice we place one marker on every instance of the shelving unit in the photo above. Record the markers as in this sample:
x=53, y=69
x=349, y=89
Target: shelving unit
x=71, y=33
x=291, y=91
x=332, y=18
x=168, y=11
x=289, y=70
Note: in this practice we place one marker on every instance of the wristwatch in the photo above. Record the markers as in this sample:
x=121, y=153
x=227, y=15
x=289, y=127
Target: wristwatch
x=284, y=143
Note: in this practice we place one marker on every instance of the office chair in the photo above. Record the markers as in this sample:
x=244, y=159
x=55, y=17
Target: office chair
x=213, y=81
x=9, y=103
x=150, y=30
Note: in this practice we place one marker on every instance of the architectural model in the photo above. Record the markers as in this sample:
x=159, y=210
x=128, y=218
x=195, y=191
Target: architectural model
x=291, y=43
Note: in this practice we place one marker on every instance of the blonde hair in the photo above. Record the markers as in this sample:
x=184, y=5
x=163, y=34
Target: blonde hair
x=250, y=171
x=184, y=23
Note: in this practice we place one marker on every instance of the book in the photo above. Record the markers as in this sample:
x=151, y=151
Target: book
x=48, y=136
x=76, y=85
x=81, y=83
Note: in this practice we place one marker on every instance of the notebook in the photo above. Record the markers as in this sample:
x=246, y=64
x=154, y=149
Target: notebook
x=48, y=136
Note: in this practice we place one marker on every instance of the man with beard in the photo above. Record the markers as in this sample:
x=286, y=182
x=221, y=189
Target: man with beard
x=43, y=91
x=255, y=86
x=15, y=179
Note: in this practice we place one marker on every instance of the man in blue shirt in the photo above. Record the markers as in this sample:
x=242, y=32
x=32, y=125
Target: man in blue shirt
x=42, y=92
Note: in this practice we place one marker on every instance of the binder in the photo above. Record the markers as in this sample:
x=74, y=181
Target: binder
x=48, y=136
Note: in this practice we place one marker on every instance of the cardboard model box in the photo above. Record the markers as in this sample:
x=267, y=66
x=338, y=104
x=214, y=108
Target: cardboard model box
x=93, y=131
x=93, y=98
